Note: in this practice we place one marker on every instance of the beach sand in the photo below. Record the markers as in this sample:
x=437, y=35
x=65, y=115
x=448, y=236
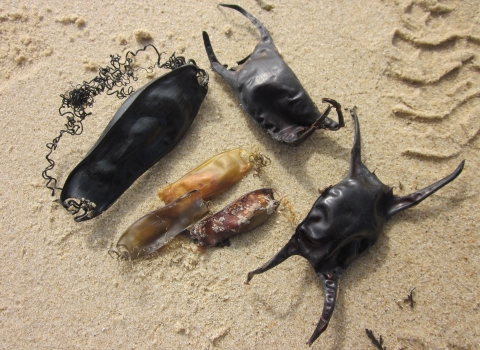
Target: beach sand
x=412, y=69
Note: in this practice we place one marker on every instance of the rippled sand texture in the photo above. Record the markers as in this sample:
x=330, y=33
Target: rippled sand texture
x=410, y=67
x=436, y=57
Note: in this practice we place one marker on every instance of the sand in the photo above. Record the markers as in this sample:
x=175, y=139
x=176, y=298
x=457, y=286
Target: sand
x=412, y=69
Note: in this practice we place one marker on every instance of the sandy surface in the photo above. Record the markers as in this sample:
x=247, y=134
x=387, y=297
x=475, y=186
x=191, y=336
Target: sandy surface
x=411, y=67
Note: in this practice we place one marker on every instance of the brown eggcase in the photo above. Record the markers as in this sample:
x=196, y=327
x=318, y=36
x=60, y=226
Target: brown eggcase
x=244, y=214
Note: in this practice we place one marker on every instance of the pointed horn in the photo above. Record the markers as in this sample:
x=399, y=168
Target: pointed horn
x=291, y=248
x=330, y=286
x=398, y=204
x=243, y=60
x=265, y=35
x=216, y=66
x=302, y=137
x=330, y=124
x=356, y=154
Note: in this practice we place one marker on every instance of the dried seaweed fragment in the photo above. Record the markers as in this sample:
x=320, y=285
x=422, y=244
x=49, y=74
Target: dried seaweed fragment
x=409, y=299
x=378, y=343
